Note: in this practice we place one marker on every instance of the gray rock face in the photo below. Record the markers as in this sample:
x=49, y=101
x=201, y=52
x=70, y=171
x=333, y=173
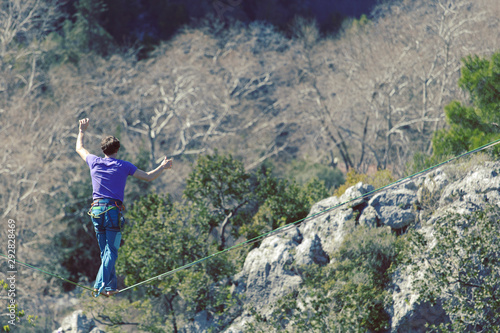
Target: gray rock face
x=444, y=193
x=479, y=186
x=268, y=274
x=395, y=209
x=406, y=314
x=268, y=269
x=77, y=322
x=432, y=183
x=311, y=251
x=201, y=322
x=327, y=218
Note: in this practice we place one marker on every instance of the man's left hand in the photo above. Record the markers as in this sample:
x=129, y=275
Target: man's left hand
x=166, y=163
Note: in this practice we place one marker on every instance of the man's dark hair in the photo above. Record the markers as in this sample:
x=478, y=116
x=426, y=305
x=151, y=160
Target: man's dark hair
x=110, y=145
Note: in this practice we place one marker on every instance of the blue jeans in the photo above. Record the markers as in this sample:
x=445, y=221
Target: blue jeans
x=107, y=224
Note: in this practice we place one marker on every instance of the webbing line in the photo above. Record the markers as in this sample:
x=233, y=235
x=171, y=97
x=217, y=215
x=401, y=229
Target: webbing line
x=48, y=273
x=277, y=230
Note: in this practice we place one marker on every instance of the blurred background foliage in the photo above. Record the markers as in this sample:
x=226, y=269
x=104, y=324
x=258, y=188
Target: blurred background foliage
x=147, y=22
x=266, y=106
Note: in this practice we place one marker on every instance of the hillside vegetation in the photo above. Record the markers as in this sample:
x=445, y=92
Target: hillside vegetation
x=261, y=125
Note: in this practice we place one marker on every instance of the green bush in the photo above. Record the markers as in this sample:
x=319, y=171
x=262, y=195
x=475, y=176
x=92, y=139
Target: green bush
x=283, y=203
x=303, y=172
x=377, y=180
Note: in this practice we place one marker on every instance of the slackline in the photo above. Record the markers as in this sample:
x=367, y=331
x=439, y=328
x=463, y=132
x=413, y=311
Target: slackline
x=43, y=271
x=275, y=231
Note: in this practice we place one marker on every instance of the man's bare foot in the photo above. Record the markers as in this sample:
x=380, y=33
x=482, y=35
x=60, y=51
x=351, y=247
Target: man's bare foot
x=104, y=293
x=112, y=292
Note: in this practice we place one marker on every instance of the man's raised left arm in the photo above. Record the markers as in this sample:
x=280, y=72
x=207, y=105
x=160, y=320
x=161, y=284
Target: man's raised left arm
x=153, y=174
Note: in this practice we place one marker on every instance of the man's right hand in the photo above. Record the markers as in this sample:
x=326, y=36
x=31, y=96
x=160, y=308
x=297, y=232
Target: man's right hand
x=84, y=123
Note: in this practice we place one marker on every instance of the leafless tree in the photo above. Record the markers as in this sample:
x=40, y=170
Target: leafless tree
x=25, y=21
x=370, y=96
x=401, y=69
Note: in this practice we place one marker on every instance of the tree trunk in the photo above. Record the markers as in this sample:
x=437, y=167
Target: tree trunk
x=363, y=140
x=388, y=136
x=152, y=139
x=223, y=230
x=170, y=308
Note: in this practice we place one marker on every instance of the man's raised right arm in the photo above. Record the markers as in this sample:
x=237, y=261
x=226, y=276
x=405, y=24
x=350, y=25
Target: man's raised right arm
x=80, y=149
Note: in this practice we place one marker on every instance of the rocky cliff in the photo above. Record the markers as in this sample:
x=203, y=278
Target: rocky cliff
x=270, y=273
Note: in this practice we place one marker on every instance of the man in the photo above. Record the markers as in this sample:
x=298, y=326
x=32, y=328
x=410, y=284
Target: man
x=109, y=176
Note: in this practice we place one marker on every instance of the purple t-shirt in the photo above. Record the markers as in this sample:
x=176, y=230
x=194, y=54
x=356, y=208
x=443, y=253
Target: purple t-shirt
x=109, y=176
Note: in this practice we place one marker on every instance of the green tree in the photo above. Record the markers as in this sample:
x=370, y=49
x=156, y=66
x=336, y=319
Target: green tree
x=223, y=192
x=303, y=172
x=475, y=124
x=163, y=236
x=282, y=202
x=82, y=34
x=460, y=266
x=218, y=190
x=355, y=284
x=88, y=15
x=218, y=187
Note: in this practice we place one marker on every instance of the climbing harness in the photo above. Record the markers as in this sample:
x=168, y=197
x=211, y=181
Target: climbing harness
x=272, y=232
x=114, y=205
